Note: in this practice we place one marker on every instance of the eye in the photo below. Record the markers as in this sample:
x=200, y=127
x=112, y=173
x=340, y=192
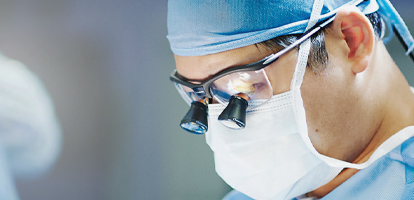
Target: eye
x=259, y=86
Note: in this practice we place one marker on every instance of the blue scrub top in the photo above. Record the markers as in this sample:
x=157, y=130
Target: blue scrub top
x=391, y=177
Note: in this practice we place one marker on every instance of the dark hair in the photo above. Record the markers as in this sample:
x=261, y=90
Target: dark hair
x=318, y=56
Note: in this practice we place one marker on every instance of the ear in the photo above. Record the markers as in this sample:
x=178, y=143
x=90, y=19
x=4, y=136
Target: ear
x=354, y=28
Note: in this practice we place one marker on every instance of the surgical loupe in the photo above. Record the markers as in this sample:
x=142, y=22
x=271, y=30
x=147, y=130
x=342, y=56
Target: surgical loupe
x=233, y=90
x=195, y=121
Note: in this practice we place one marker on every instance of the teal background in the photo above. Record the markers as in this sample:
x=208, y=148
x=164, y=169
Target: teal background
x=106, y=64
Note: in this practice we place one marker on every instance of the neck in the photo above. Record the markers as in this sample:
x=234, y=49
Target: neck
x=397, y=107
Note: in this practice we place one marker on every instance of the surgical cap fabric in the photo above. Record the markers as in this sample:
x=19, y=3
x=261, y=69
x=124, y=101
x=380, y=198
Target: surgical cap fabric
x=201, y=27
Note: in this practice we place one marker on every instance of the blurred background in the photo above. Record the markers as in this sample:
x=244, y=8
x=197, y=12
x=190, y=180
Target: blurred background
x=106, y=65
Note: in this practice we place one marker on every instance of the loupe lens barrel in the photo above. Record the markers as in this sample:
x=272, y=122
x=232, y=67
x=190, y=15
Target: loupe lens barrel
x=195, y=121
x=234, y=115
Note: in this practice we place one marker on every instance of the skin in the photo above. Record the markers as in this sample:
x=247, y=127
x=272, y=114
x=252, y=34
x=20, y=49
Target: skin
x=357, y=103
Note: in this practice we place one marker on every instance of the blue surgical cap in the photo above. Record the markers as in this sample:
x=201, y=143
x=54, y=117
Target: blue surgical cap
x=201, y=27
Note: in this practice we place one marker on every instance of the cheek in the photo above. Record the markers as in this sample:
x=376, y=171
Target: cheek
x=324, y=99
x=280, y=73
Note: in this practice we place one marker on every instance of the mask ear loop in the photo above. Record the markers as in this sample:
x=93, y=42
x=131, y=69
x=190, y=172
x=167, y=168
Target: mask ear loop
x=298, y=75
x=297, y=80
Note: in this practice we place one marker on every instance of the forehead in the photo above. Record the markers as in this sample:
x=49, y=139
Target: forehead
x=202, y=67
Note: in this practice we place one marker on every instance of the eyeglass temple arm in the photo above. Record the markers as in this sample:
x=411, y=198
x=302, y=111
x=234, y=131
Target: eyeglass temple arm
x=273, y=57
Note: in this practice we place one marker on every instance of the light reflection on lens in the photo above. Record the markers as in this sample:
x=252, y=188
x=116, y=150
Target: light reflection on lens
x=187, y=93
x=255, y=84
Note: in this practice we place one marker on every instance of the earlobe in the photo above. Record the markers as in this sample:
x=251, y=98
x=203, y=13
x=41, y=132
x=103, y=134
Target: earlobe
x=358, y=34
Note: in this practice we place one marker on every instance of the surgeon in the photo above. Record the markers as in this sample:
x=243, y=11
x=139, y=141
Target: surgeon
x=298, y=99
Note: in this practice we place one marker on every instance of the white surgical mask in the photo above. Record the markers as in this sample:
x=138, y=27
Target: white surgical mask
x=268, y=159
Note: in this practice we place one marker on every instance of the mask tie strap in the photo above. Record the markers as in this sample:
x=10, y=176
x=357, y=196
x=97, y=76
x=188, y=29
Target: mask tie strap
x=304, y=48
x=296, y=83
x=297, y=79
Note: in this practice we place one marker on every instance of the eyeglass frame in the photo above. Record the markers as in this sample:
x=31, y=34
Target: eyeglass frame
x=205, y=85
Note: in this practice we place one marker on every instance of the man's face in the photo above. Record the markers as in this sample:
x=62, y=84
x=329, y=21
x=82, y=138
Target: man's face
x=331, y=104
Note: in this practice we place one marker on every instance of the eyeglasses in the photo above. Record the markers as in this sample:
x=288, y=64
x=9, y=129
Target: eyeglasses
x=247, y=79
x=238, y=88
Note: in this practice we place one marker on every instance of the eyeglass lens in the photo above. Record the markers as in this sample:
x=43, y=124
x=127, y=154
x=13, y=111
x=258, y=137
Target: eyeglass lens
x=251, y=85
